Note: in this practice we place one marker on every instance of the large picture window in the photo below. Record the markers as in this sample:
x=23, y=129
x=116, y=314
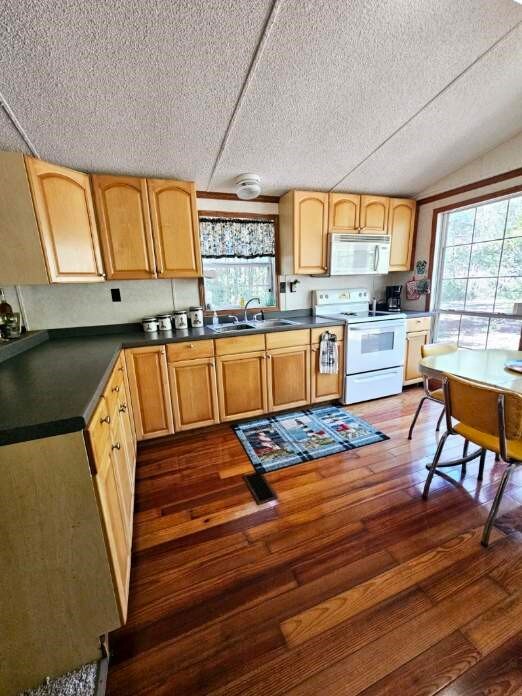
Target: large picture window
x=239, y=255
x=479, y=275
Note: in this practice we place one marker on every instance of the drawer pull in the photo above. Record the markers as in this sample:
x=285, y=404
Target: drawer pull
x=116, y=389
x=123, y=408
x=107, y=419
x=116, y=446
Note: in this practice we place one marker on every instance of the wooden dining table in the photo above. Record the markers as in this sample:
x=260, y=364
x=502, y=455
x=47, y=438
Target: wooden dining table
x=483, y=366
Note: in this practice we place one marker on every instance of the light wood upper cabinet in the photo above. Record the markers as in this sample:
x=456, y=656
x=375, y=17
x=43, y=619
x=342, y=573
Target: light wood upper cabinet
x=65, y=214
x=242, y=385
x=374, y=214
x=303, y=224
x=288, y=375
x=122, y=208
x=175, y=228
x=344, y=212
x=149, y=385
x=194, y=393
x=401, y=221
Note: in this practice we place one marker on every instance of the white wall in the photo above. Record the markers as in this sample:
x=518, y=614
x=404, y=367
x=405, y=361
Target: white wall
x=503, y=158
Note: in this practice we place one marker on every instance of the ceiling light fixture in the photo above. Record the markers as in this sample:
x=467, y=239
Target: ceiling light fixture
x=248, y=186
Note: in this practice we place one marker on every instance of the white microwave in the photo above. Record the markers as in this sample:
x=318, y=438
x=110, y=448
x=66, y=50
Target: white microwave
x=358, y=254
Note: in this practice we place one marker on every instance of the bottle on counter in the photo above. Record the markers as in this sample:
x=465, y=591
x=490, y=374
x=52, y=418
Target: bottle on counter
x=5, y=311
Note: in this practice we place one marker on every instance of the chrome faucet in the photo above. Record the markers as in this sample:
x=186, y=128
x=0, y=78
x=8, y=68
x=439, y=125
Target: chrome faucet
x=248, y=302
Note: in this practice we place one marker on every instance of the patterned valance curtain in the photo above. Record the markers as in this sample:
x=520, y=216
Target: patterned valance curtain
x=236, y=238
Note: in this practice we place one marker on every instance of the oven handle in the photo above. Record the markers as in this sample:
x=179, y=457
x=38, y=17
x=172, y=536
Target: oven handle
x=394, y=326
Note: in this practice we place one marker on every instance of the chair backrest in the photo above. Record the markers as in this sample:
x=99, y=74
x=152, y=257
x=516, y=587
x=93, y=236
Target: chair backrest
x=438, y=349
x=476, y=405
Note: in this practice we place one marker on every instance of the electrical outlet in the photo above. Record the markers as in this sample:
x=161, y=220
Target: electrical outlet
x=282, y=287
x=116, y=295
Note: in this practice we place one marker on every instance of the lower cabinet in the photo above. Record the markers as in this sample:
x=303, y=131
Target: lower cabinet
x=193, y=390
x=241, y=380
x=112, y=443
x=417, y=334
x=288, y=377
x=326, y=387
x=149, y=386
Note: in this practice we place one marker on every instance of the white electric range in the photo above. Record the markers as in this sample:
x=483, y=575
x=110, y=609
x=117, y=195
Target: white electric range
x=374, y=345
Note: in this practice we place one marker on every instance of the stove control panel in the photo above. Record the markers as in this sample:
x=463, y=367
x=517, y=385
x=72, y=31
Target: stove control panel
x=331, y=297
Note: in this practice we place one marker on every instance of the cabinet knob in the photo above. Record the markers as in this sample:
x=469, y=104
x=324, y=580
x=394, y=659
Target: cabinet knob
x=116, y=446
x=269, y=357
x=107, y=419
x=116, y=389
x=123, y=408
x=120, y=368
x=191, y=345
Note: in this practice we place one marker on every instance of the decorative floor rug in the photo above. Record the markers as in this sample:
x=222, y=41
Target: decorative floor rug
x=292, y=438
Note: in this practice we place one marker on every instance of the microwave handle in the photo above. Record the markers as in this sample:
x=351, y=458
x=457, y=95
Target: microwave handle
x=376, y=254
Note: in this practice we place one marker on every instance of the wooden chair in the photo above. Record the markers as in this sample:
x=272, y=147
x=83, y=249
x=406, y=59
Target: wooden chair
x=490, y=418
x=432, y=387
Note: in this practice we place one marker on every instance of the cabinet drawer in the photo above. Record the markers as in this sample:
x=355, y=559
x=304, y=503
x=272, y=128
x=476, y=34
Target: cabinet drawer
x=418, y=324
x=114, y=386
x=99, y=432
x=317, y=333
x=187, y=351
x=240, y=344
x=287, y=339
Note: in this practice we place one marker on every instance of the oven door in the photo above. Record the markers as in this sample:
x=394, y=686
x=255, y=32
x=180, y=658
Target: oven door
x=375, y=345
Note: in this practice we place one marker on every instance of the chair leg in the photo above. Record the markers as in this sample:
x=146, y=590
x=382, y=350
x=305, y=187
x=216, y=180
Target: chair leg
x=481, y=464
x=421, y=402
x=434, y=463
x=496, y=503
x=465, y=454
x=440, y=419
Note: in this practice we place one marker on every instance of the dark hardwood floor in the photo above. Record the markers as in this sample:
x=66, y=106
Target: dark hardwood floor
x=349, y=584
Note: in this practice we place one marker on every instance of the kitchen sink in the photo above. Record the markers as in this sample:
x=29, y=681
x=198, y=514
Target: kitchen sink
x=270, y=323
x=225, y=328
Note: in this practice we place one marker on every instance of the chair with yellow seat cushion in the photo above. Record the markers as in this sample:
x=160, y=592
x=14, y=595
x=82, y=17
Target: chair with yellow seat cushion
x=432, y=388
x=490, y=418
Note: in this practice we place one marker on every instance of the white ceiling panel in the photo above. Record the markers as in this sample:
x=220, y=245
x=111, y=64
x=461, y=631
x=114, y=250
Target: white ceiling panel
x=150, y=87
x=478, y=112
x=10, y=138
x=337, y=78
x=144, y=87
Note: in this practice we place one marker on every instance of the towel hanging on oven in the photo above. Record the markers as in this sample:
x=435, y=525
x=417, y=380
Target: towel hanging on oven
x=328, y=354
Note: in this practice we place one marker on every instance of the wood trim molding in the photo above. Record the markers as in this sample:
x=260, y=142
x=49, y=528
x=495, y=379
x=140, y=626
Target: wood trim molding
x=489, y=181
x=452, y=206
x=226, y=196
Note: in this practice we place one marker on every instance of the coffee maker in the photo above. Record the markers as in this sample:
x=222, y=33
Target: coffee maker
x=393, y=298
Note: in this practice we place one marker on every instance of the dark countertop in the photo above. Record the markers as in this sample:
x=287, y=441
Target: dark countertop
x=53, y=388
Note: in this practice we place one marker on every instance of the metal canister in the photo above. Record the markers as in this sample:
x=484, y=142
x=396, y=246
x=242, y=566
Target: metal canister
x=165, y=322
x=150, y=324
x=196, y=317
x=180, y=319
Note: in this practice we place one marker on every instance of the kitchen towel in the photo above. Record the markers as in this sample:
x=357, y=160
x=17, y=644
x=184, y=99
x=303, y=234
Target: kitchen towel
x=328, y=354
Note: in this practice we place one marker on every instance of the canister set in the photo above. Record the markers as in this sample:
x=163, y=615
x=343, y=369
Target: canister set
x=177, y=320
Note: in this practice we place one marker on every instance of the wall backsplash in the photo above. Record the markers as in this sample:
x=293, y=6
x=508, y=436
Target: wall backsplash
x=302, y=297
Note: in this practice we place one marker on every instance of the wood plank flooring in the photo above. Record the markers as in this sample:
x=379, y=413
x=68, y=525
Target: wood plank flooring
x=349, y=584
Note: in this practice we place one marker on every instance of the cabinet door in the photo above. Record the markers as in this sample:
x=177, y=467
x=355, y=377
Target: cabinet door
x=127, y=434
x=123, y=213
x=310, y=232
x=288, y=377
x=65, y=214
x=175, y=227
x=194, y=393
x=113, y=517
x=401, y=221
x=374, y=214
x=149, y=385
x=121, y=469
x=414, y=342
x=326, y=387
x=242, y=385
x=343, y=212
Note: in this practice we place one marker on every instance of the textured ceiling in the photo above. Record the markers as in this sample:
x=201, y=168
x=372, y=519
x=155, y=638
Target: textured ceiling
x=367, y=95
